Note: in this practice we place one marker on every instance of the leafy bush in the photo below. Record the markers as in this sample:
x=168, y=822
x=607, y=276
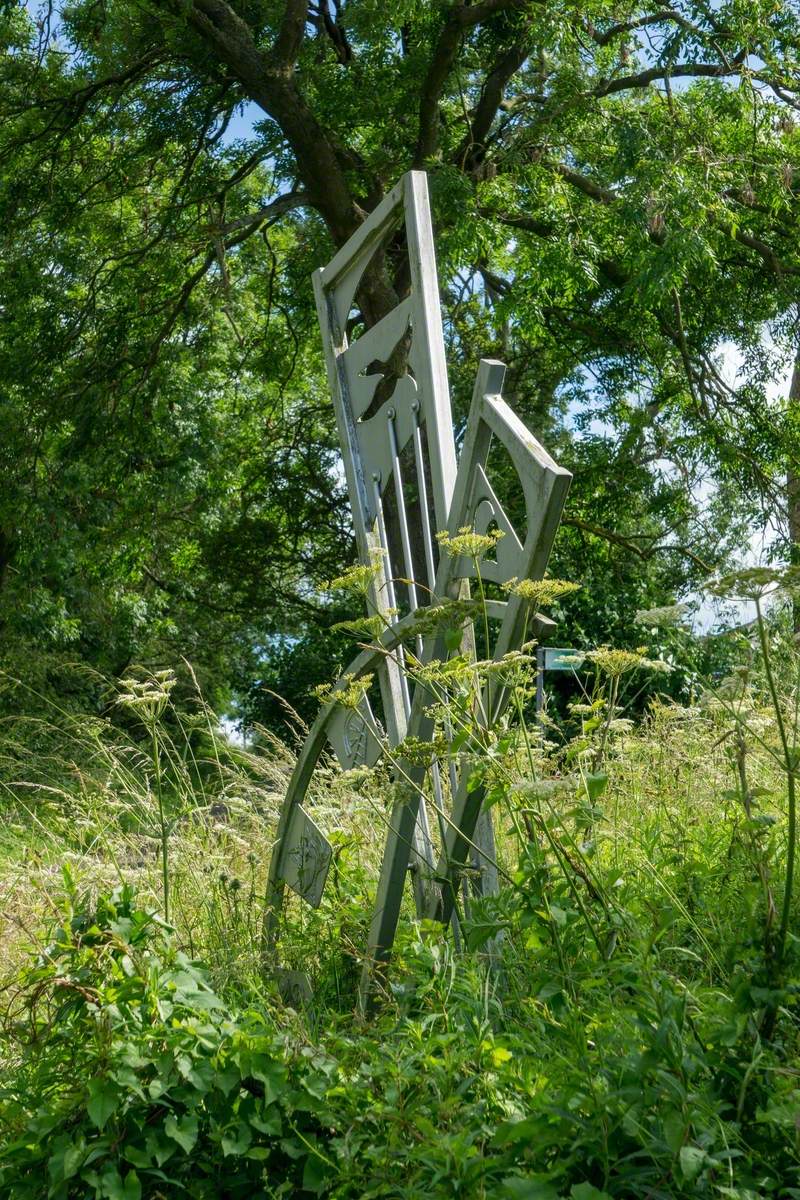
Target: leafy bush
x=134, y=1079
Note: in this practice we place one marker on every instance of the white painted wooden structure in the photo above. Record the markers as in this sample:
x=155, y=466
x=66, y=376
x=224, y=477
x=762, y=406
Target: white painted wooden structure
x=390, y=393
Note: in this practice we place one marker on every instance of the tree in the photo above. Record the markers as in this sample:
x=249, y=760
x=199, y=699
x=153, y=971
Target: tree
x=615, y=198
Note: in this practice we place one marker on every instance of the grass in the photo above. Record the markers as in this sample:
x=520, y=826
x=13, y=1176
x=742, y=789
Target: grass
x=640, y=1041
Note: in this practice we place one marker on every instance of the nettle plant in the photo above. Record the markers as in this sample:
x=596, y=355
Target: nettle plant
x=136, y=1080
x=758, y=707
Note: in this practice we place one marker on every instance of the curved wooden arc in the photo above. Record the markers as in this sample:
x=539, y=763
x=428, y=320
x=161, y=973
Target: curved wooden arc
x=316, y=741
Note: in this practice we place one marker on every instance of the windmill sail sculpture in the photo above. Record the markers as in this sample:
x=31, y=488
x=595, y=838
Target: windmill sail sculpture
x=405, y=484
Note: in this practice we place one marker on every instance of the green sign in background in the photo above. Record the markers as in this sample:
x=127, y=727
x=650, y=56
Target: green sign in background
x=561, y=659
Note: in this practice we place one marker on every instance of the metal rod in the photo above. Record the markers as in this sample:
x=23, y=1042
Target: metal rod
x=422, y=832
x=412, y=590
x=389, y=586
x=539, y=683
x=402, y=515
x=423, y=499
x=430, y=567
x=428, y=544
x=436, y=777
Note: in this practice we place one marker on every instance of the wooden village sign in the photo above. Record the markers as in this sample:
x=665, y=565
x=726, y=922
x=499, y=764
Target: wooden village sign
x=405, y=484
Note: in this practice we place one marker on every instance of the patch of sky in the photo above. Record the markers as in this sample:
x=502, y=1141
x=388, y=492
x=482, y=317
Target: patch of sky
x=709, y=612
x=714, y=613
x=242, y=125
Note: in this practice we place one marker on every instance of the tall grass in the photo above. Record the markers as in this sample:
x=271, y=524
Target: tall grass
x=640, y=1039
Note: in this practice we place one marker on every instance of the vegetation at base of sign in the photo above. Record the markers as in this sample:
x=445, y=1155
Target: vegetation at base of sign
x=640, y=1039
x=614, y=188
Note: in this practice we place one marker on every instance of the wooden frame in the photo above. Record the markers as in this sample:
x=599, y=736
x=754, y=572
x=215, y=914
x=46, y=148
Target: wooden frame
x=386, y=436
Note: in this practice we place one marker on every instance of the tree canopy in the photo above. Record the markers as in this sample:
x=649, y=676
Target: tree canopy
x=615, y=189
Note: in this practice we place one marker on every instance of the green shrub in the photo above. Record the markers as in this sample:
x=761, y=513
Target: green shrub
x=134, y=1079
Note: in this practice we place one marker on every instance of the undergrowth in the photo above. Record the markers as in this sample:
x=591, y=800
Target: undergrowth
x=639, y=1038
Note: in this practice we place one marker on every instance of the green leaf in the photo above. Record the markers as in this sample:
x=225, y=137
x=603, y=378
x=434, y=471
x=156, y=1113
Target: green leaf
x=674, y=1128
x=587, y=1191
x=111, y=1186
x=315, y=1174
x=459, y=741
x=273, y=1075
x=514, y=1133
x=102, y=1102
x=132, y=1188
x=237, y=1141
x=66, y=1159
x=158, y=1148
x=453, y=637
x=182, y=1130
x=595, y=785
x=269, y=1121
x=226, y=1080
x=494, y=795
x=692, y=1160
x=482, y=932
x=517, y=1187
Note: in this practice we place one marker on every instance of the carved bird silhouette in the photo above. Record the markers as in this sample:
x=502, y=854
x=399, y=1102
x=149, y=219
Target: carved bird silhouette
x=393, y=369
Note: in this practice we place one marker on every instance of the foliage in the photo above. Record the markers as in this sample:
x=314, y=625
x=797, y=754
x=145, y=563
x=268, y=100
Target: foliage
x=615, y=203
x=135, y=1080
x=615, y=196
x=639, y=1042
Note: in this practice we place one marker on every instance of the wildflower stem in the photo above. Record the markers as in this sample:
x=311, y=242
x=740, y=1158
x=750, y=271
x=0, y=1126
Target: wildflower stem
x=487, y=650
x=610, y=714
x=163, y=828
x=789, y=766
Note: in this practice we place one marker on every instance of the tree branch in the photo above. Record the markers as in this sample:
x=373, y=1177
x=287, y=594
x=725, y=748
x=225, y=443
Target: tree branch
x=657, y=18
x=269, y=81
x=472, y=150
x=687, y=70
x=290, y=35
x=459, y=18
x=643, y=552
x=277, y=207
x=543, y=229
x=603, y=195
x=473, y=14
x=441, y=61
x=333, y=30
x=582, y=182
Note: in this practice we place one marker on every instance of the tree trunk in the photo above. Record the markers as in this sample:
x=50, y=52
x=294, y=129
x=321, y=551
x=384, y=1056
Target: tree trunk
x=793, y=491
